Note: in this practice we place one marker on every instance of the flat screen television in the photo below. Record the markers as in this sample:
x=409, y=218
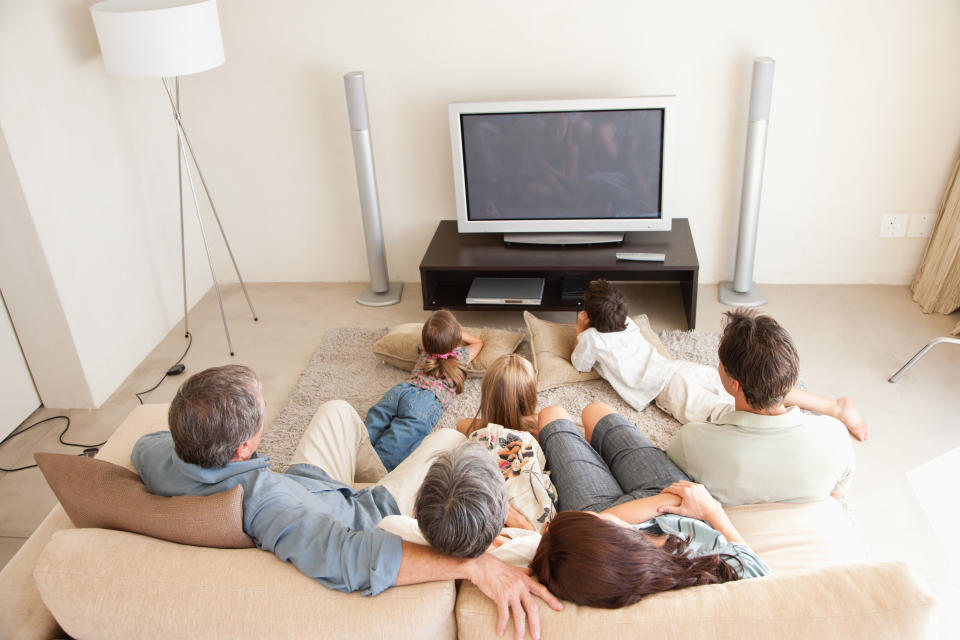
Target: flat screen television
x=555, y=170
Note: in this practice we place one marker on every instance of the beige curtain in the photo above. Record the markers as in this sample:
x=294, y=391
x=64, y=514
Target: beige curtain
x=937, y=285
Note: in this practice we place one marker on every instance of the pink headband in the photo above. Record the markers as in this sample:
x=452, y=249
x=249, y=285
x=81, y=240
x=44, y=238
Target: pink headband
x=443, y=356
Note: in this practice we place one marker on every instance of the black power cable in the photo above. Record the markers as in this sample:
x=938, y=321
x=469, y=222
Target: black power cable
x=175, y=370
x=89, y=449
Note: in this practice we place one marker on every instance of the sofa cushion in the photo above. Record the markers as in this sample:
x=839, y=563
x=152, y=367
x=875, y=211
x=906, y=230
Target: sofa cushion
x=799, y=536
x=113, y=584
x=552, y=344
x=853, y=601
x=96, y=493
x=399, y=346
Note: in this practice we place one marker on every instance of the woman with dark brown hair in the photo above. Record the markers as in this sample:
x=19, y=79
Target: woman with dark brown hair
x=630, y=523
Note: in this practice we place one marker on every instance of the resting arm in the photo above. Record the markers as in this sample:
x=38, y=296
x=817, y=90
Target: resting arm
x=642, y=509
x=511, y=588
x=583, y=355
x=371, y=561
x=583, y=323
x=473, y=342
x=319, y=546
x=696, y=502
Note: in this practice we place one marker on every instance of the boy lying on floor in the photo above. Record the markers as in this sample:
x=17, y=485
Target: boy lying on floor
x=744, y=435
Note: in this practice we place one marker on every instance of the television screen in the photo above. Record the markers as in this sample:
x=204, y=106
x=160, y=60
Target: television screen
x=596, y=164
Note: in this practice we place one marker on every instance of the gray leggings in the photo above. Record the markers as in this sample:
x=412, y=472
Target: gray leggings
x=619, y=464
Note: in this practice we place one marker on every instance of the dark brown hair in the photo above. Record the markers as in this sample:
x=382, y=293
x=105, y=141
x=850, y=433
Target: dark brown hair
x=760, y=355
x=594, y=562
x=213, y=413
x=605, y=306
x=442, y=334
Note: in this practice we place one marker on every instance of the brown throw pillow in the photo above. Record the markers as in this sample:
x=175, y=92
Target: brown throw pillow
x=552, y=344
x=399, y=346
x=98, y=494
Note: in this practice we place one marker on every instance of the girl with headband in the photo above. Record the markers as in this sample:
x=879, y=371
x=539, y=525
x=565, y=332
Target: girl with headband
x=409, y=410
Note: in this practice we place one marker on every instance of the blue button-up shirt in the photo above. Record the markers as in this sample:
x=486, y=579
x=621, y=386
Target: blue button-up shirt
x=325, y=528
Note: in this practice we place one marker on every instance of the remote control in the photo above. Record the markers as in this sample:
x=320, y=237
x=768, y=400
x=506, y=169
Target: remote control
x=642, y=257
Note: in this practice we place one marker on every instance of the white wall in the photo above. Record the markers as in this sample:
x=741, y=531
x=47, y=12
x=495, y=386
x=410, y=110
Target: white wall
x=95, y=156
x=863, y=123
x=33, y=303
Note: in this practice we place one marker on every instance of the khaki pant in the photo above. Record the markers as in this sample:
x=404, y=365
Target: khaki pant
x=694, y=393
x=336, y=441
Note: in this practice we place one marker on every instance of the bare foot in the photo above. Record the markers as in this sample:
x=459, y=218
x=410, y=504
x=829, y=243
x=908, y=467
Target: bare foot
x=847, y=414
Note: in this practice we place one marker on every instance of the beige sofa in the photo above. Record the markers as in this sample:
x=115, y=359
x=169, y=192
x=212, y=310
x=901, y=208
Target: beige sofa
x=96, y=583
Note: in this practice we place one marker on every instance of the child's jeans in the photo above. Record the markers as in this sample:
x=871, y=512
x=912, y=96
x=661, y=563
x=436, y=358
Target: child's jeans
x=400, y=421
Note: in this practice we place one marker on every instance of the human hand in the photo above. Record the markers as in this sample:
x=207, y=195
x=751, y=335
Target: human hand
x=510, y=588
x=517, y=520
x=583, y=322
x=468, y=338
x=695, y=502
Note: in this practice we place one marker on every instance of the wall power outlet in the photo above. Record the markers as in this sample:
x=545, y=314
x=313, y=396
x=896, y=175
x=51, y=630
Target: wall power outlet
x=893, y=225
x=921, y=225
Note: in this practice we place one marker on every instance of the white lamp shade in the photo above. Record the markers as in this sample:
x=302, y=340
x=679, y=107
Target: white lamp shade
x=158, y=38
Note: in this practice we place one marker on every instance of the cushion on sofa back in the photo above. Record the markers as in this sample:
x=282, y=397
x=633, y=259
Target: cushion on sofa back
x=96, y=493
x=112, y=584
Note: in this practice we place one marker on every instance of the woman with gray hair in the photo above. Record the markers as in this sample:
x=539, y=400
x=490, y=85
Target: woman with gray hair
x=462, y=504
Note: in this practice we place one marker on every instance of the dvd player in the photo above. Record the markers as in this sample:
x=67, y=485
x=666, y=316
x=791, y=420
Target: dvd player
x=524, y=291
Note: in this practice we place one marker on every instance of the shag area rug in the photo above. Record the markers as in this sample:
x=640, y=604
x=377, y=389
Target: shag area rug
x=343, y=367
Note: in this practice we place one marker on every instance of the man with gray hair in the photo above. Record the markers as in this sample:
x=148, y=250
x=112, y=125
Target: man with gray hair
x=311, y=516
x=462, y=504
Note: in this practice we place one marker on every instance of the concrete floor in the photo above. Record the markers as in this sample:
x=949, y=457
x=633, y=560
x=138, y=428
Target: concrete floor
x=850, y=338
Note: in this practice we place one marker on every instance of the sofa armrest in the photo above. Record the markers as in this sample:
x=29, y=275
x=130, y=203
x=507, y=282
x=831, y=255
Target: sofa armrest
x=21, y=610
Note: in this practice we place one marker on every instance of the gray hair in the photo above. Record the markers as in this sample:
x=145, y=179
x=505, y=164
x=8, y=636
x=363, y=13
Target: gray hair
x=462, y=503
x=214, y=412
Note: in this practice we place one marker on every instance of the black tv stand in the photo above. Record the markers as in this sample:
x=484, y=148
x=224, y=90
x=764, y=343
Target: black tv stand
x=453, y=260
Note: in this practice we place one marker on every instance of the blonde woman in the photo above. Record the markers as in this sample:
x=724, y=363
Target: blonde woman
x=503, y=424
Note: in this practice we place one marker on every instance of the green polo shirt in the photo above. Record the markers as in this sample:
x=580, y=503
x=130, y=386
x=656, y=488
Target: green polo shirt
x=752, y=458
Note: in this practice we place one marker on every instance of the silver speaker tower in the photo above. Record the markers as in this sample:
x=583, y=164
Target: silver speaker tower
x=742, y=292
x=381, y=291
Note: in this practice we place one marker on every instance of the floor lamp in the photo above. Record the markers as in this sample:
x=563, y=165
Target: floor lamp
x=167, y=39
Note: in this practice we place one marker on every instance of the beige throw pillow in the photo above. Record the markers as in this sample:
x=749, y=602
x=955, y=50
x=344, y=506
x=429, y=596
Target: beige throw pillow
x=399, y=346
x=99, y=494
x=552, y=344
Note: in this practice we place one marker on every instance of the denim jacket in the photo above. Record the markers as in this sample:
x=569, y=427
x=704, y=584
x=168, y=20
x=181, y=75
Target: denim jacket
x=323, y=527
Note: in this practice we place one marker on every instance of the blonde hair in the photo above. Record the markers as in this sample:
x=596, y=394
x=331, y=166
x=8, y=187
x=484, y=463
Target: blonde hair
x=441, y=334
x=508, y=394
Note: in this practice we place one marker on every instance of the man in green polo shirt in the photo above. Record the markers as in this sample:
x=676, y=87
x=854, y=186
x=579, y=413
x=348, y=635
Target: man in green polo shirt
x=763, y=450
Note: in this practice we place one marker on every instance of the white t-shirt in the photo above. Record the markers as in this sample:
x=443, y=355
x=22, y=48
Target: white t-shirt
x=625, y=359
